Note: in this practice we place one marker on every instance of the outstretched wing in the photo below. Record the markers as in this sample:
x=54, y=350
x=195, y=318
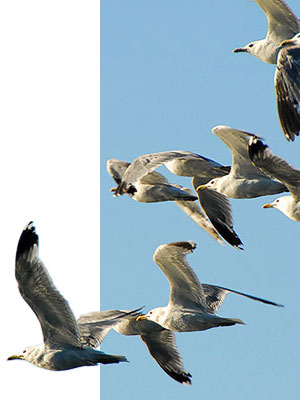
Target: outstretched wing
x=185, y=288
x=162, y=347
x=37, y=289
x=215, y=295
x=287, y=88
x=282, y=22
x=94, y=326
x=218, y=209
x=141, y=166
x=275, y=167
x=237, y=141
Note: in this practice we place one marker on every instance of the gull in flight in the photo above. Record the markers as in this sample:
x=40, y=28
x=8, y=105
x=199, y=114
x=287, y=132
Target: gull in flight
x=282, y=25
x=244, y=181
x=192, y=305
x=279, y=169
x=62, y=347
x=151, y=188
x=142, y=166
x=276, y=48
x=160, y=342
x=154, y=187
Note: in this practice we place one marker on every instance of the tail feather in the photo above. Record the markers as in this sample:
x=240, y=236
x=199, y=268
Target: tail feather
x=231, y=321
x=104, y=358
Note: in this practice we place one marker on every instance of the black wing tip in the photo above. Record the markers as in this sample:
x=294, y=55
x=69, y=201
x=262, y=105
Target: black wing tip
x=183, y=377
x=188, y=245
x=256, y=148
x=288, y=112
x=228, y=234
x=27, y=240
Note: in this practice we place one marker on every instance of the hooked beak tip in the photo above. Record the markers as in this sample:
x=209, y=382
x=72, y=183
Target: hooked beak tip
x=269, y=205
x=240, y=50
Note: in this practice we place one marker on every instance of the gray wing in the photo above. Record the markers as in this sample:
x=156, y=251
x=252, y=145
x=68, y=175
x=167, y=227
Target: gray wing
x=237, y=141
x=93, y=327
x=154, y=178
x=275, y=167
x=116, y=168
x=162, y=347
x=215, y=295
x=192, y=209
x=143, y=165
x=161, y=344
x=218, y=209
x=195, y=165
x=287, y=88
x=37, y=289
x=185, y=288
x=161, y=192
x=282, y=23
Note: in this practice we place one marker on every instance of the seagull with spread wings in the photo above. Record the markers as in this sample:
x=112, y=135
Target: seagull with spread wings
x=154, y=187
x=160, y=342
x=62, y=347
x=192, y=305
x=244, y=181
x=282, y=47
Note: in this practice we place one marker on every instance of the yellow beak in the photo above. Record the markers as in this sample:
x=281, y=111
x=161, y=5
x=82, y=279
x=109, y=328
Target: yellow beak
x=201, y=187
x=141, y=317
x=15, y=357
x=285, y=42
x=269, y=205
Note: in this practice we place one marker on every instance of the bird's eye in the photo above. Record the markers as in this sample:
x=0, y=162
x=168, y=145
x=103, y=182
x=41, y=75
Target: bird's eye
x=212, y=182
x=277, y=201
x=24, y=351
x=251, y=45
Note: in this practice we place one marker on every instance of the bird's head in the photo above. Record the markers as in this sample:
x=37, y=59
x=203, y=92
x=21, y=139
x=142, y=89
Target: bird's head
x=29, y=354
x=260, y=49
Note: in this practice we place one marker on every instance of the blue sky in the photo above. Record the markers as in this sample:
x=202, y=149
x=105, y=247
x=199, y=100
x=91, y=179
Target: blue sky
x=168, y=76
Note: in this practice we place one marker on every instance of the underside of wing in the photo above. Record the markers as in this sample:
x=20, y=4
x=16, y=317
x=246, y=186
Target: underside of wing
x=218, y=209
x=185, y=288
x=287, y=88
x=36, y=287
x=282, y=23
x=237, y=141
x=275, y=167
x=143, y=165
x=162, y=347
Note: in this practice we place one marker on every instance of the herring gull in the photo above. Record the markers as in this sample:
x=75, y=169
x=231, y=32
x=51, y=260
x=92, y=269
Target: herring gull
x=160, y=342
x=244, y=181
x=192, y=306
x=62, y=347
x=151, y=188
x=282, y=25
x=142, y=166
x=154, y=187
x=278, y=168
x=276, y=48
